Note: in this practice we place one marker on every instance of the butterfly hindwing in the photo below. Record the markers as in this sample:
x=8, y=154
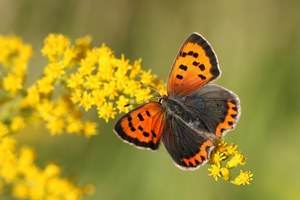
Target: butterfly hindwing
x=142, y=126
x=189, y=149
x=195, y=65
x=216, y=109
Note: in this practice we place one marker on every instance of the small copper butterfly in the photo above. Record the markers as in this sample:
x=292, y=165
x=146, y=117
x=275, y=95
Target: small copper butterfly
x=193, y=117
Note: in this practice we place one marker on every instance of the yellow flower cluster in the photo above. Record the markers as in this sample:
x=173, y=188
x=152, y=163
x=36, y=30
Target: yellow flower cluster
x=40, y=102
x=225, y=158
x=26, y=181
x=49, y=95
x=14, y=57
x=109, y=83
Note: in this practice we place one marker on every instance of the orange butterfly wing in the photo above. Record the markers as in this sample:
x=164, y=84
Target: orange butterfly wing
x=195, y=65
x=142, y=126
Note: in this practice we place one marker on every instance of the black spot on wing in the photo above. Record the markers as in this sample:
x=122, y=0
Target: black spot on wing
x=201, y=67
x=195, y=63
x=140, y=116
x=146, y=134
x=179, y=76
x=183, y=67
x=153, y=133
x=148, y=113
x=202, y=77
x=233, y=115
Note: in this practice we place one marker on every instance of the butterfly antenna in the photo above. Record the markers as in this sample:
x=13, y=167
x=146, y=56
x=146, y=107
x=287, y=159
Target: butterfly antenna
x=134, y=104
x=151, y=88
x=151, y=99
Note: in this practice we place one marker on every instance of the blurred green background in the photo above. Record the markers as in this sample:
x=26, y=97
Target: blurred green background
x=258, y=46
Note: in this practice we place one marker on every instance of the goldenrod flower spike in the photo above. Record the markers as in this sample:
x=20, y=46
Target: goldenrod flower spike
x=224, y=159
x=45, y=100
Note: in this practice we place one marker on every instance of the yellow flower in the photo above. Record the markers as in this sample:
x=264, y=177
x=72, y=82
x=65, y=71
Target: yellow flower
x=51, y=170
x=56, y=126
x=3, y=130
x=45, y=109
x=106, y=111
x=75, y=80
x=14, y=53
x=122, y=104
x=98, y=96
x=12, y=83
x=68, y=57
x=136, y=69
x=7, y=145
x=55, y=46
x=221, y=147
x=54, y=70
x=89, y=129
x=217, y=157
x=123, y=67
x=92, y=82
x=231, y=149
x=74, y=125
x=143, y=95
x=21, y=191
x=225, y=173
x=84, y=42
x=243, y=178
x=147, y=78
x=86, y=101
x=215, y=171
x=75, y=96
x=33, y=97
x=87, y=65
x=45, y=85
x=61, y=108
x=109, y=89
x=26, y=159
x=237, y=159
x=17, y=124
x=131, y=88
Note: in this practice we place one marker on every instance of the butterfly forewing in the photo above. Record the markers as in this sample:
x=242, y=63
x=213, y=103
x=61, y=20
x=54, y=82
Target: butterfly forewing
x=142, y=126
x=195, y=65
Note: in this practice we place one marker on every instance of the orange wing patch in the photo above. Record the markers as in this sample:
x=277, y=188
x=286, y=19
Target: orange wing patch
x=195, y=65
x=142, y=126
x=199, y=158
x=230, y=119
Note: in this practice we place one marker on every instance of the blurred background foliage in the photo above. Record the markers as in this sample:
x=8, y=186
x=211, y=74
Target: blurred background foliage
x=258, y=46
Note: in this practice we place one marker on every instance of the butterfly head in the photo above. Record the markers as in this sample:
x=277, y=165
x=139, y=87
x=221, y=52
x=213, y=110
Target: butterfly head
x=162, y=98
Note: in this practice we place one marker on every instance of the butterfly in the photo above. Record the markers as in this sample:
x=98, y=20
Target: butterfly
x=195, y=114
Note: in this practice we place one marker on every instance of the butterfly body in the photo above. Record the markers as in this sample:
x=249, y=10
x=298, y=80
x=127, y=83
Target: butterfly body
x=175, y=108
x=193, y=117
